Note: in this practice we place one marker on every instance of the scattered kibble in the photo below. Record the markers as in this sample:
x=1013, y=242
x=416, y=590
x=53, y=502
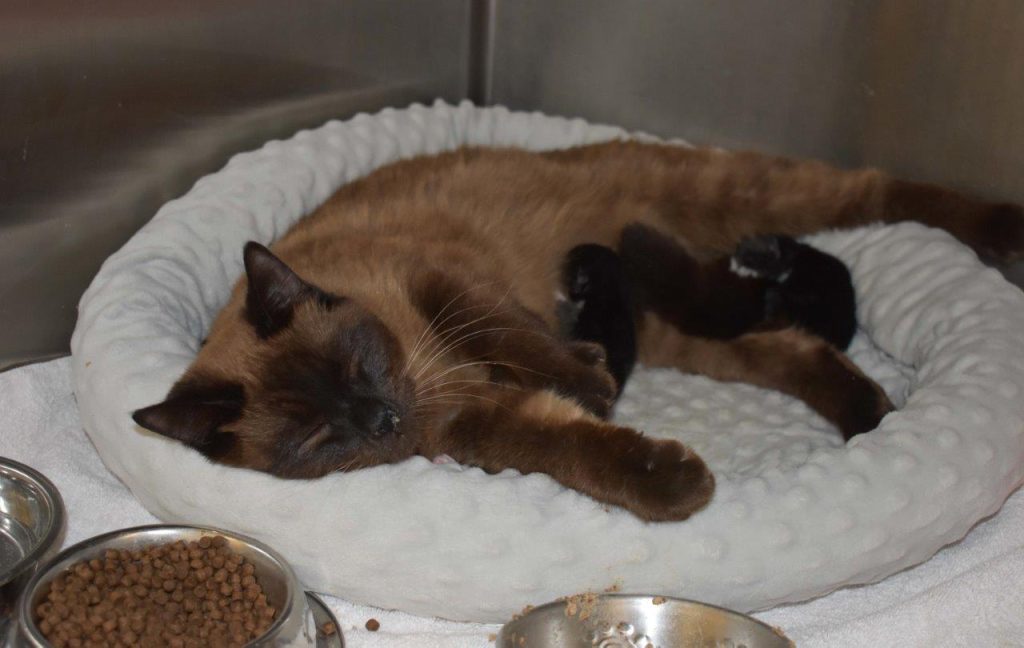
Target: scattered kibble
x=180, y=594
x=581, y=605
x=659, y=600
x=373, y=625
x=328, y=628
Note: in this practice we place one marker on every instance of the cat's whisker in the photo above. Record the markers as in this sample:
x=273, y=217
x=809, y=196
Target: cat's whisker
x=436, y=325
x=442, y=339
x=462, y=365
x=427, y=408
x=493, y=363
x=466, y=382
x=346, y=465
x=473, y=335
x=471, y=306
x=456, y=343
x=434, y=322
x=444, y=346
x=448, y=333
x=467, y=395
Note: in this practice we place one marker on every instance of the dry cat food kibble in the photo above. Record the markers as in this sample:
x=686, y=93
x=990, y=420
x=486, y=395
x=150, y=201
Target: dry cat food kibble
x=373, y=625
x=180, y=594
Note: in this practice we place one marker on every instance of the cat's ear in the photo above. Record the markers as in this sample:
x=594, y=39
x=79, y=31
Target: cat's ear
x=193, y=414
x=273, y=292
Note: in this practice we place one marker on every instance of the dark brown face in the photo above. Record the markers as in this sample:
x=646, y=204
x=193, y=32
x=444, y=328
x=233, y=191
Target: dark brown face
x=331, y=400
x=328, y=393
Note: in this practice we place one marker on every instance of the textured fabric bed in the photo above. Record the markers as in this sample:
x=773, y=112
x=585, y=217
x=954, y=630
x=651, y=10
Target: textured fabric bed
x=796, y=513
x=967, y=595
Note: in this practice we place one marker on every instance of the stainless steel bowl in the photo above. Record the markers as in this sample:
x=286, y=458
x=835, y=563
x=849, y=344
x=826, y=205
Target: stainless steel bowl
x=294, y=626
x=636, y=621
x=31, y=529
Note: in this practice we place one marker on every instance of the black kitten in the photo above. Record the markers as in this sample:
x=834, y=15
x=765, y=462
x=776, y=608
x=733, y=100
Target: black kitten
x=600, y=306
x=781, y=282
x=806, y=286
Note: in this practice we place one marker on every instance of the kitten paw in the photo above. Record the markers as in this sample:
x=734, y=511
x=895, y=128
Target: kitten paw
x=668, y=480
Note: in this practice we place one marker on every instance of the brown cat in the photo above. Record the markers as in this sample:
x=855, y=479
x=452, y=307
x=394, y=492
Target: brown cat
x=415, y=313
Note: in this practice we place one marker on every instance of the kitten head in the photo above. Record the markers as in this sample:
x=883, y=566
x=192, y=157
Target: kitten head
x=322, y=389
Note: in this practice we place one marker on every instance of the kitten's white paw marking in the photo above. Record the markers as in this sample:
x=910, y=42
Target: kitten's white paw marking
x=737, y=269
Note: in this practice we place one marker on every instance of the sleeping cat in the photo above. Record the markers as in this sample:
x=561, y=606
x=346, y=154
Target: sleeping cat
x=415, y=312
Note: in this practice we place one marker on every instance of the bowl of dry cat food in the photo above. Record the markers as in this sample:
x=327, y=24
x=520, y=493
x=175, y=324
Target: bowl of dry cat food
x=163, y=585
x=636, y=621
x=31, y=528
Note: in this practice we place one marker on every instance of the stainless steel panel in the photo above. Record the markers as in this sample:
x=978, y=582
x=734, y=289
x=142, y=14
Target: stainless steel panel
x=930, y=89
x=947, y=84
x=109, y=108
x=775, y=74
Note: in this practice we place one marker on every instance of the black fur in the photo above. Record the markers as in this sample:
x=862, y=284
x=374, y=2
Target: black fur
x=194, y=412
x=706, y=300
x=274, y=291
x=808, y=287
x=796, y=284
x=596, y=284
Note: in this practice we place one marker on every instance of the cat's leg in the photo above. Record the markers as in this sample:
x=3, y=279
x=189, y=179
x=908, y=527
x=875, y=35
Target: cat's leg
x=601, y=306
x=770, y=281
x=769, y=330
x=487, y=326
x=764, y=194
x=655, y=479
x=787, y=360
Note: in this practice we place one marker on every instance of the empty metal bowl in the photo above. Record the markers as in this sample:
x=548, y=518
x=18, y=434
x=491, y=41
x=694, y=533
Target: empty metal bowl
x=636, y=621
x=295, y=625
x=31, y=528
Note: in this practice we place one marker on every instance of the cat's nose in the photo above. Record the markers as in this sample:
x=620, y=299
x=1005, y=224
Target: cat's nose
x=382, y=420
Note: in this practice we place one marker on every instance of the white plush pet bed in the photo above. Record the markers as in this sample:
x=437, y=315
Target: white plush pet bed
x=796, y=513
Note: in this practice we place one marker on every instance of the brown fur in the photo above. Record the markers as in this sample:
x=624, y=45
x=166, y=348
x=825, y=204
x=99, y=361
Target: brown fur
x=447, y=266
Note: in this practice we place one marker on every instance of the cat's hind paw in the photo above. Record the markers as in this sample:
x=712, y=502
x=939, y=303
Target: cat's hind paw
x=864, y=408
x=999, y=233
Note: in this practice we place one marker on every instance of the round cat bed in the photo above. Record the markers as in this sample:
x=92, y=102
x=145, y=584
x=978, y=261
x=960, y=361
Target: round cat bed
x=797, y=513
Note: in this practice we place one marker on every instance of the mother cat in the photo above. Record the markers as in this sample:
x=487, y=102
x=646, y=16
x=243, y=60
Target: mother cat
x=415, y=312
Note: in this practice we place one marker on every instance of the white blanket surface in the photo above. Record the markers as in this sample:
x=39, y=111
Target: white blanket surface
x=969, y=594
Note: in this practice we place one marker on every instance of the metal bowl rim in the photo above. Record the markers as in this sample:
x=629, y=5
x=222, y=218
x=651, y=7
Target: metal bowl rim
x=27, y=624
x=55, y=523
x=561, y=603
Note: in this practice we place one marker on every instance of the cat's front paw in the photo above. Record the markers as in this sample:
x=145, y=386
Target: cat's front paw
x=590, y=354
x=591, y=385
x=667, y=481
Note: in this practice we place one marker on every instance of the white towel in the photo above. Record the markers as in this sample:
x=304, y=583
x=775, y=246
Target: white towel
x=969, y=594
